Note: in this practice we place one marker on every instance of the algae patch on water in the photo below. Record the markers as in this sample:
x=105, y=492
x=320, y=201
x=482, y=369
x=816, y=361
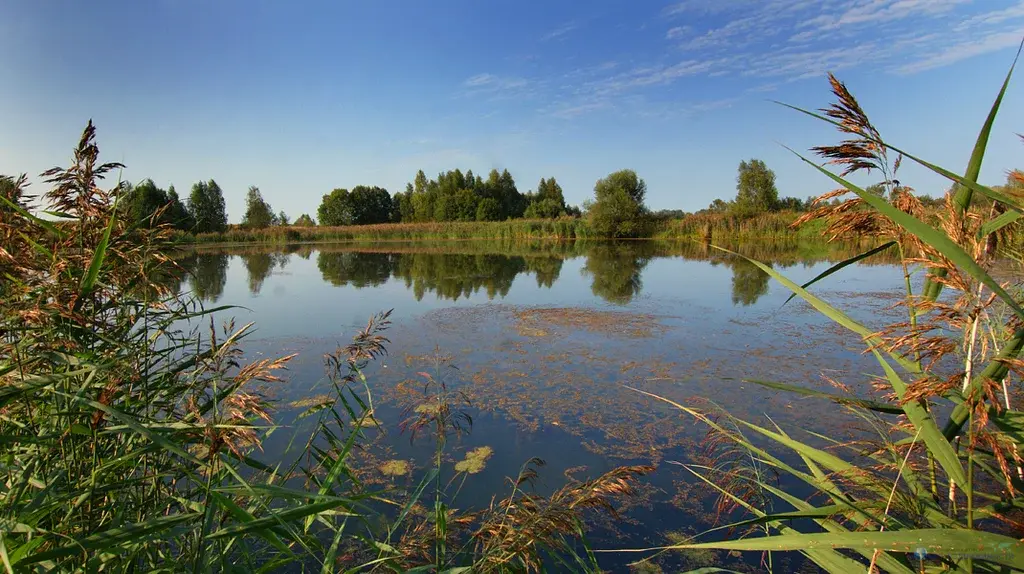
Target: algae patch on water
x=395, y=468
x=475, y=460
x=543, y=321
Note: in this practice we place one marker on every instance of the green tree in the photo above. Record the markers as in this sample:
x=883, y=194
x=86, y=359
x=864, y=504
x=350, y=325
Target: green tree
x=335, y=208
x=401, y=206
x=370, y=205
x=548, y=203
x=488, y=209
x=466, y=202
x=258, y=213
x=755, y=188
x=144, y=204
x=304, y=220
x=618, y=209
x=513, y=201
x=282, y=219
x=206, y=204
x=877, y=189
x=177, y=213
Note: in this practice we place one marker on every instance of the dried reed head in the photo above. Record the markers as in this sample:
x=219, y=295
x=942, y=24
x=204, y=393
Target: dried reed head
x=516, y=530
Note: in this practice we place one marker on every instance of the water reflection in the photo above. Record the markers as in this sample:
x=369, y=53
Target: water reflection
x=358, y=269
x=260, y=266
x=749, y=282
x=615, y=271
x=207, y=274
x=458, y=270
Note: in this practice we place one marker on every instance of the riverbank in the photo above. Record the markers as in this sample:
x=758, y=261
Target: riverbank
x=775, y=226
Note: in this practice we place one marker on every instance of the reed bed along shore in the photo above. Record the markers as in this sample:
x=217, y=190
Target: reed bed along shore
x=773, y=226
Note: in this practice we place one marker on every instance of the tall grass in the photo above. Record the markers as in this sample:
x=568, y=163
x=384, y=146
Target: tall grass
x=129, y=424
x=516, y=229
x=724, y=226
x=772, y=226
x=936, y=483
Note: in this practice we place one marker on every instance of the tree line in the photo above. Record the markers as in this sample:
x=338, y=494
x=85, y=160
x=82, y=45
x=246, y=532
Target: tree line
x=617, y=209
x=453, y=195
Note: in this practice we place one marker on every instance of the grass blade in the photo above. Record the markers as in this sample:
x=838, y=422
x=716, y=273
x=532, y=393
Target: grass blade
x=114, y=537
x=852, y=401
x=995, y=547
x=998, y=223
x=841, y=265
x=277, y=518
x=89, y=281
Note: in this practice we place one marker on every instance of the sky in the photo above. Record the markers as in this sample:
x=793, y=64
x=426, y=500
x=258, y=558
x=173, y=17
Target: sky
x=299, y=98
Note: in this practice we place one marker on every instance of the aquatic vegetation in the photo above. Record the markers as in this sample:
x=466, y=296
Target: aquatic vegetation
x=395, y=468
x=541, y=321
x=475, y=460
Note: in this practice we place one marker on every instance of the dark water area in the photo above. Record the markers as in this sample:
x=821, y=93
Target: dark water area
x=544, y=342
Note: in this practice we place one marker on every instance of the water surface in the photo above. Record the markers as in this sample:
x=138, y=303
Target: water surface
x=544, y=341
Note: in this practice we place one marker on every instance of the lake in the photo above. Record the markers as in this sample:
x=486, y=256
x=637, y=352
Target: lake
x=544, y=341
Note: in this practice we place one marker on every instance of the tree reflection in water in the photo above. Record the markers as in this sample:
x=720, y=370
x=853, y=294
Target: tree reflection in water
x=455, y=272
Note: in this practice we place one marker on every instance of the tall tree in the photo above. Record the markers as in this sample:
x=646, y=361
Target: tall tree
x=206, y=204
x=401, y=206
x=370, y=205
x=258, y=213
x=618, y=209
x=755, y=188
x=177, y=213
x=335, y=208
x=549, y=201
x=144, y=203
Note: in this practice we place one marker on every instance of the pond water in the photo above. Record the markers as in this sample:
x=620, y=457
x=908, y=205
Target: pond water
x=546, y=340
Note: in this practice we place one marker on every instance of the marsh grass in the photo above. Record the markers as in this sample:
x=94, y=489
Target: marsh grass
x=770, y=226
x=935, y=482
x=511, y=230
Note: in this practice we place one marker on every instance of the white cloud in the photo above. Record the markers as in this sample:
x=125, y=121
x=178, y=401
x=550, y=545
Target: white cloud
x=677, y=32
x=559, y=32
x=794, y=39
x=579, y=109
x=964, y=50
x=490, y=82
x=994, y=17
x=772, y=41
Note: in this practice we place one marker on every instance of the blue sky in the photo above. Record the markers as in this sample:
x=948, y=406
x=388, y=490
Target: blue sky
x=301, y=97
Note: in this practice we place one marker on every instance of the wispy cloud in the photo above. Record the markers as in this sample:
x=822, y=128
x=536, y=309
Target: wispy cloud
x=709, y=45
x=569, y=112
x=964, y=50
x=677, y=32
x=492, y=82
x=495, y=87
x=559, y=31
x=795, y=39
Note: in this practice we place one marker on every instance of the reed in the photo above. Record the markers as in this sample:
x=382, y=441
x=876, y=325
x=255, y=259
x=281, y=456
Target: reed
x=515, y=229
x=935, y=482
x=776, y=225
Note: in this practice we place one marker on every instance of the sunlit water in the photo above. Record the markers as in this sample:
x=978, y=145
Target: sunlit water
x=545, y=342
